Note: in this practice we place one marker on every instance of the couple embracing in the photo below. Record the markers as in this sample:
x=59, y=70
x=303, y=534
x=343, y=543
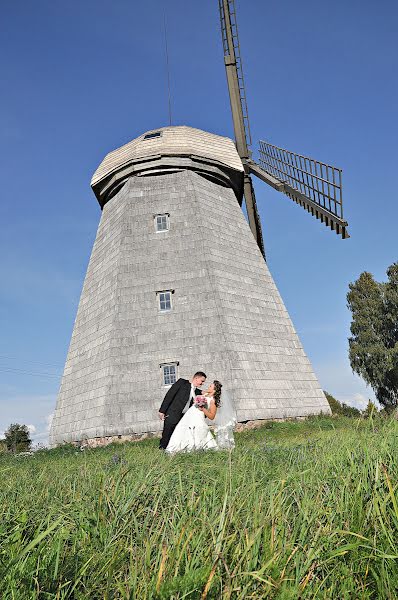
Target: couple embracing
x=184, y=411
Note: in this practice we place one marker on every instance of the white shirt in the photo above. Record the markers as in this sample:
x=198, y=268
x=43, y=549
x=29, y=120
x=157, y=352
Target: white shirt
x=191, y=397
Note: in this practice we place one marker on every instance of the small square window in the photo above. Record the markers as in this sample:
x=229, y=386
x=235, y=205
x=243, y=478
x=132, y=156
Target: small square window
x=165, y=300
x=169, y=373
x=154, y=134
x=162, y=222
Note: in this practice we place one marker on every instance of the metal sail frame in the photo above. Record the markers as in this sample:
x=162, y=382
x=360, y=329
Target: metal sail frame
x=314, y=185
x=237, y=95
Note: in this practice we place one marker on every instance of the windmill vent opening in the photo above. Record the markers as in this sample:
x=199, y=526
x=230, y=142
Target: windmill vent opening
x=154, y=134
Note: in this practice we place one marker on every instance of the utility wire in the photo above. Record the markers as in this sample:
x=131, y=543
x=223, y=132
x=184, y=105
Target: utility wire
x=33, y=362
x=23, y=372
x=167, y=65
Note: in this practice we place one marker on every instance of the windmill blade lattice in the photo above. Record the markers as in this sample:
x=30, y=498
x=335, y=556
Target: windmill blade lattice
x=231, y=46
x=314, y=185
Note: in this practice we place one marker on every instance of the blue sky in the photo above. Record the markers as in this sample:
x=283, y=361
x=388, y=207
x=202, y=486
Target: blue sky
x=82, y=78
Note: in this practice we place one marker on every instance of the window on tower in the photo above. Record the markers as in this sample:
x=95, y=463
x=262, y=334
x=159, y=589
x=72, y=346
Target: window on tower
x=162, y=222
x=169, y=373
x=165, y=300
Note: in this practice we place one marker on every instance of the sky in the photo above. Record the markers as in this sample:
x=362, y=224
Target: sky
x=80, y=78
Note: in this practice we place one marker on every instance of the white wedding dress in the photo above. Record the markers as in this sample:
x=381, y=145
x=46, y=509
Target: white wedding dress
x=192, y=432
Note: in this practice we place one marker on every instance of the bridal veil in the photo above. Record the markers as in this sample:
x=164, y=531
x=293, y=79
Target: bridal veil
x=225, y=421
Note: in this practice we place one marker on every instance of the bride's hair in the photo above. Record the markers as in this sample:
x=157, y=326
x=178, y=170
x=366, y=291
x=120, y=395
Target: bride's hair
x=217, y=392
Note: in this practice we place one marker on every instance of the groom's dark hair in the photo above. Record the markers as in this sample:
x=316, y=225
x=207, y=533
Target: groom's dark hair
x=200, y=374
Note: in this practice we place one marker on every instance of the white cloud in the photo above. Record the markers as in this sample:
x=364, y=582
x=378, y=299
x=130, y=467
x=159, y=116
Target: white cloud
x=49, y=420
x=358, y=400
x=37, y=410
x=40, y=438
x=335, y=376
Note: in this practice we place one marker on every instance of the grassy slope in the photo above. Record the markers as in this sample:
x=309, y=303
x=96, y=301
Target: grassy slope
x=298, y=510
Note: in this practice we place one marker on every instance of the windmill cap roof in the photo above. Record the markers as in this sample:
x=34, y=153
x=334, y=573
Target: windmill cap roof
x=172, y=141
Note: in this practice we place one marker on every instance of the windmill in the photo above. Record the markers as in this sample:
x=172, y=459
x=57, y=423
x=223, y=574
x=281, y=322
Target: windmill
x=177, y=283
x=314, y=185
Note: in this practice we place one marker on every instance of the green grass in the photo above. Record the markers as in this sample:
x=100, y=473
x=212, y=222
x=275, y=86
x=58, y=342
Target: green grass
x=298, y=510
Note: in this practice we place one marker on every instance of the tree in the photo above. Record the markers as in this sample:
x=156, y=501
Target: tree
x=373, y=345
x=334, y=404
x=17, y=438
x=340, y=408
x=370, y=410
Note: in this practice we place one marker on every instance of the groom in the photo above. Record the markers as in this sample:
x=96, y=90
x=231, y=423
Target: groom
x=176, y=402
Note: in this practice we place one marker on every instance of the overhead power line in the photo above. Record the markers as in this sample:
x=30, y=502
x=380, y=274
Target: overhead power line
x=167, y=65
x=24, y=372
x=35, y=362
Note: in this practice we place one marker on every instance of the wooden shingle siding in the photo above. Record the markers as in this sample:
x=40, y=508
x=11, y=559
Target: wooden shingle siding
x=227, y=315
x=180, y=141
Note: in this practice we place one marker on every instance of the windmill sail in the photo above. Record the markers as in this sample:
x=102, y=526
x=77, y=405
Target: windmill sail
x=240, y=117
x=315, y=185
x=236, y=83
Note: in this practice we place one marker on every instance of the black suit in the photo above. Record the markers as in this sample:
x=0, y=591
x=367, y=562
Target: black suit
x=172, y=406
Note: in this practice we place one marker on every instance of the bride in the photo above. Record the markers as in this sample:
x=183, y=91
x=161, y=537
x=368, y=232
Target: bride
x=192, y=432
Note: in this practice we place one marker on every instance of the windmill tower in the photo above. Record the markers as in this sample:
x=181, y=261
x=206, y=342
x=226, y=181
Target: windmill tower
x=177, y=279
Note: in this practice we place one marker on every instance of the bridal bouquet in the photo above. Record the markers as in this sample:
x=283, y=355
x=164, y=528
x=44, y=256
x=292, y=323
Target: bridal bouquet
x=200, y=401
